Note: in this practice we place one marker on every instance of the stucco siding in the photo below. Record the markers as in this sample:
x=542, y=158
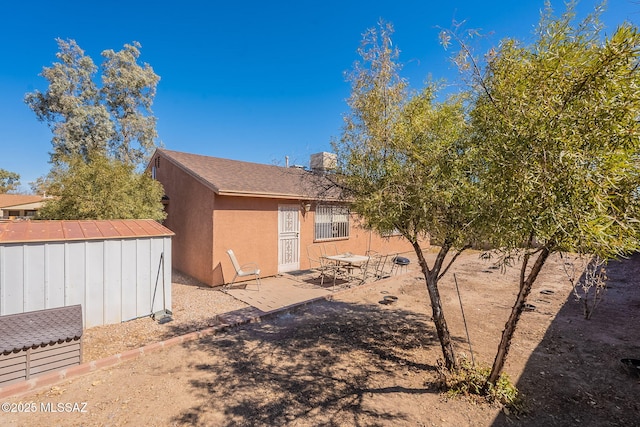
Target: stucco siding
x=190, y=217
x=249, y=226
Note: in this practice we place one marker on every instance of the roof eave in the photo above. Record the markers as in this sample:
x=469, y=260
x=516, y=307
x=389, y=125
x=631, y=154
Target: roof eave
x=236, y=193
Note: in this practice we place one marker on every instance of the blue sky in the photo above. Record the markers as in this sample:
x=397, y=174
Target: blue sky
x=246, y=80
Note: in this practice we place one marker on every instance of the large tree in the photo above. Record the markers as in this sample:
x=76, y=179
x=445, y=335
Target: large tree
x=401, y=161
x=9, y=181
x=99, y=133
x=113, y=120
x=557, y=139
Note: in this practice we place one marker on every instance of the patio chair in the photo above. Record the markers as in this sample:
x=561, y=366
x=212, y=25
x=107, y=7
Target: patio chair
x=315, y=257
x=376, y=265
x=324, y=266
x=329, y=249
x=365, y=269
x=250, y=269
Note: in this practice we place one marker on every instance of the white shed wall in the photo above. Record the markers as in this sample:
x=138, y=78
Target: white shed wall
x=113, y=280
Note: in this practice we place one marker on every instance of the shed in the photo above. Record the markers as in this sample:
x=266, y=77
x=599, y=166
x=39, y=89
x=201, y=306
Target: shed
x=113, y=268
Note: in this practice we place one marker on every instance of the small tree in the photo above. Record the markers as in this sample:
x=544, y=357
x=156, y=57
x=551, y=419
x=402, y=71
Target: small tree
x=588, y=279
x=9, y=181
x=557, y=142
x=102, y=188
x=401, y=160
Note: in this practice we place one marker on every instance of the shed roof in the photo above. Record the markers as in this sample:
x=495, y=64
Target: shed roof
x=48, y=231
x=238, y=178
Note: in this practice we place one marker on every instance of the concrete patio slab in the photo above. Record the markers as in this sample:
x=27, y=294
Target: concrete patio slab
x=296, y=287
x=280, y=291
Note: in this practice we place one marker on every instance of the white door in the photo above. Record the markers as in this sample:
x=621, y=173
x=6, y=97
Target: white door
x=288, y=238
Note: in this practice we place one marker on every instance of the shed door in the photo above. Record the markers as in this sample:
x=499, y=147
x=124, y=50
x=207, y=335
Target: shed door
x=288, y=238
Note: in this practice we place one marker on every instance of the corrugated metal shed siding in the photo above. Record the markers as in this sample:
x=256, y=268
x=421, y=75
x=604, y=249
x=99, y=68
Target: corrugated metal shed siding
x=113, y=279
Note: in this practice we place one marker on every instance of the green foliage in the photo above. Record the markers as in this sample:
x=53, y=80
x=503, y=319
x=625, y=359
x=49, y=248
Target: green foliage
x=9, y=181
x=400, y=156
x=555, y=139
x=401, y=160
x=128, y=92
x=555, y=126
x=41, y=184
x=542, y=154
x=113, y=120
x=103, y=188
x=471, y=381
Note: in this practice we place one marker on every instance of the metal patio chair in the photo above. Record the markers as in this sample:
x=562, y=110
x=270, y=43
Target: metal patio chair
x=250, y=269
x=376, y=265
x=325, y=267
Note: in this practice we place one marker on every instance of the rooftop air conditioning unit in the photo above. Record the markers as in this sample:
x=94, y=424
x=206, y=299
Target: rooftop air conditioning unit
x=323, y=162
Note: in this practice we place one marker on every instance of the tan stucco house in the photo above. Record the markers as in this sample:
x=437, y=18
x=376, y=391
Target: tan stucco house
x=14, y=206
x=267, y=214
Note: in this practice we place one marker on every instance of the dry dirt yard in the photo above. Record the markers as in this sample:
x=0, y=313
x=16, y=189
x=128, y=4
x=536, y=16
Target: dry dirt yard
x=354, y=361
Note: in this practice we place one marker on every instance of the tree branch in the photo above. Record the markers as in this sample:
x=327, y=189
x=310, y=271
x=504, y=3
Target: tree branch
x=465, y=247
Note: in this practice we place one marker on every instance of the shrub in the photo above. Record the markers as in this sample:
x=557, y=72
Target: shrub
x=471, y=381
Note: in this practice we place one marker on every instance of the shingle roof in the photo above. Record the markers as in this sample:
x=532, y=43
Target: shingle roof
x=48, y=231
x=41, y=327
x=238, y=178
x=8, y=200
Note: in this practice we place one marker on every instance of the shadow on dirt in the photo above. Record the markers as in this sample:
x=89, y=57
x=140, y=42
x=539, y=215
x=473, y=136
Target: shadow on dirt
x=575, y=377
x=319, y=361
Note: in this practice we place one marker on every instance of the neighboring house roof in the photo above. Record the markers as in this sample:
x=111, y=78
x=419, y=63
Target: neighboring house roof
x=14, y=200
x=238, y=178
x=48, y=231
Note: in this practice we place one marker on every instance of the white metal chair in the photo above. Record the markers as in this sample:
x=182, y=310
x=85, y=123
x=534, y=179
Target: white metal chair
x=329, y=249
x=376, y=265
x=315, y=257
x=325, y=267
x=250, y=269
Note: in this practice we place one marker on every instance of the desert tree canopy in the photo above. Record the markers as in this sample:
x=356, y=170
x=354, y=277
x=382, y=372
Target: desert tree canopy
x=556, y=144
x=113, y=119
x=9, y=181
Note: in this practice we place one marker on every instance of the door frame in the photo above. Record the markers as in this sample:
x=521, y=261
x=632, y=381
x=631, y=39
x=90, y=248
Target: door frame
x=283, y=235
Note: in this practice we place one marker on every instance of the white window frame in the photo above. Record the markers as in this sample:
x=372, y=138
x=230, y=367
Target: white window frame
x=331, y=222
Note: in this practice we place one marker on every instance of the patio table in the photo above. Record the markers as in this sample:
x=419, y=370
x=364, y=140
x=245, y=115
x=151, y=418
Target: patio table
x=349, y=261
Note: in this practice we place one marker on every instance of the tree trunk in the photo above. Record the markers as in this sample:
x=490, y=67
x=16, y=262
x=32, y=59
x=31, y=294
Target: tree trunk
x=431, y=278
x=516, y=311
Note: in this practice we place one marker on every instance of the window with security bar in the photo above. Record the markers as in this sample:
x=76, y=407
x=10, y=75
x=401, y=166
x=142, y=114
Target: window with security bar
x=332, y=222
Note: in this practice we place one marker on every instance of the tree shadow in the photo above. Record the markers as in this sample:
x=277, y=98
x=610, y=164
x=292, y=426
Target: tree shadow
x=574, y=376
x=326, y=361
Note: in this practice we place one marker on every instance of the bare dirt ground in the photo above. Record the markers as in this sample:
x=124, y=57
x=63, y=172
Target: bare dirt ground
x=354, y=361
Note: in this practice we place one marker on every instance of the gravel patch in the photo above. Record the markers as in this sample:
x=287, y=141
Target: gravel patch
x=195, y=306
